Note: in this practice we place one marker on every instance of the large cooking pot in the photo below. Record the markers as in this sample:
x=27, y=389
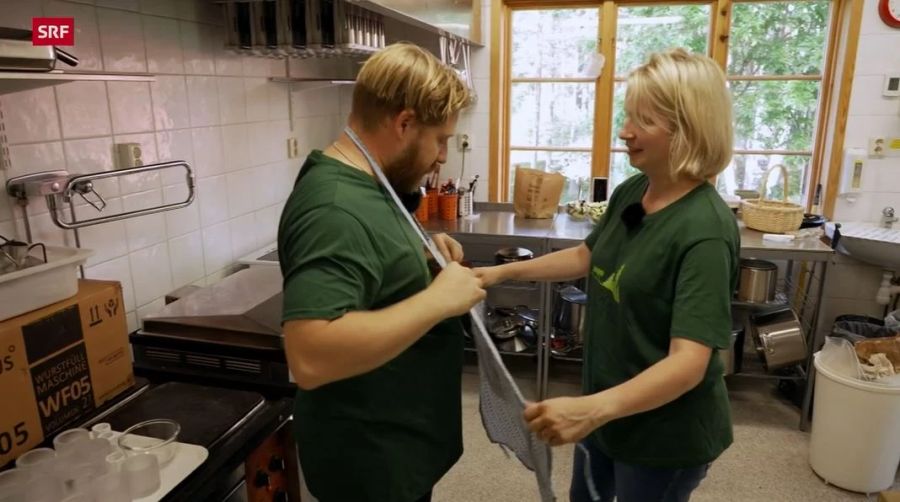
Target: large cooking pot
x=779, y=338
x=570, y=312
x=757, y=281
x=511, y=255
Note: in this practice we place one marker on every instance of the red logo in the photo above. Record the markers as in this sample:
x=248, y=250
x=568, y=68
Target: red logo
x=53, y=30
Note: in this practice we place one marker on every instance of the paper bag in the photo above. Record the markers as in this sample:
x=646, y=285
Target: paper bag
x=537, y=193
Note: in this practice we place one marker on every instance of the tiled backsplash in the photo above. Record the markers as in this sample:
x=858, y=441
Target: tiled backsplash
x=872, y=114
x=218, y=112
x=850, y=286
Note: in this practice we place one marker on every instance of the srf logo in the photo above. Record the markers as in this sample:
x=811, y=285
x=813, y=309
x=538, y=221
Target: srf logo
x=53, y=31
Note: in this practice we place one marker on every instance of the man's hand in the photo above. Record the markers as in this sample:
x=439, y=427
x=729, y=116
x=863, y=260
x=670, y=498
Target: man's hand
x=456, y=289
x=565, y=419
x=449, y=247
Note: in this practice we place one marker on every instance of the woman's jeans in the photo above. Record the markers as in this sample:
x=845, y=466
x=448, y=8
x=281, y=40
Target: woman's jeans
x=613, y=480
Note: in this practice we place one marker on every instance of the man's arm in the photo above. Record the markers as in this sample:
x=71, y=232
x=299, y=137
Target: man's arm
x=320, y=351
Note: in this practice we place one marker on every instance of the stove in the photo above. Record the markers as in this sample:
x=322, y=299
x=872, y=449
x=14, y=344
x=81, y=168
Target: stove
x=228, y=333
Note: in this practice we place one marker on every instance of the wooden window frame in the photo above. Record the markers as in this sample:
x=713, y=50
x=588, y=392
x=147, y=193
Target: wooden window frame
x=720, y=23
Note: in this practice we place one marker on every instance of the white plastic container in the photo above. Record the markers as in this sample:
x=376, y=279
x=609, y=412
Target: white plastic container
x=38, y=286
x=855, y=439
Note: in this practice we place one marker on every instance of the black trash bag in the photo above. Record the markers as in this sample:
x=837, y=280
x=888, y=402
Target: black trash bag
x=856, y=328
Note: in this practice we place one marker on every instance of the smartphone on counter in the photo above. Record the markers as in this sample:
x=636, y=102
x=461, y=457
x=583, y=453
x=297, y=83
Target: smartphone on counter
x=599, y=189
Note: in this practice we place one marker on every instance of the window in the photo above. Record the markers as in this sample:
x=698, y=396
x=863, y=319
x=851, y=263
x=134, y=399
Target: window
x=557, y=117
x=775, y=59
x=551, y=124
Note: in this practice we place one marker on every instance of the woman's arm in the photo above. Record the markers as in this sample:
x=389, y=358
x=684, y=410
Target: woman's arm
x=564, y=265
x=570, y=419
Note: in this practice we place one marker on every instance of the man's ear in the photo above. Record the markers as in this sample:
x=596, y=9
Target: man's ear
x=404, y=122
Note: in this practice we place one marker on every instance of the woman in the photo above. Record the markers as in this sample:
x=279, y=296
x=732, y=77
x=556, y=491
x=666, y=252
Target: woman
x=662, y=266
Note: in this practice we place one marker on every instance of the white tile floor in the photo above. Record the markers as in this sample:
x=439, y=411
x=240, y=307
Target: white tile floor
x=766, y=463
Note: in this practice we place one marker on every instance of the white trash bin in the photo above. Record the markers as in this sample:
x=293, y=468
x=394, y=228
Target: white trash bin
x=855, y=439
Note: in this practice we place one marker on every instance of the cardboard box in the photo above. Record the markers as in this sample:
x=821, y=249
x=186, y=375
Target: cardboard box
x=59, y=363
x=889, y=496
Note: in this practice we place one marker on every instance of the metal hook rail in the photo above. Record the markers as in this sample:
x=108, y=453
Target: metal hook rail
x=58, y=188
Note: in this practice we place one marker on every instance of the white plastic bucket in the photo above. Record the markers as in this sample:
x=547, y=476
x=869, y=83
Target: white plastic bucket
x=855, y=440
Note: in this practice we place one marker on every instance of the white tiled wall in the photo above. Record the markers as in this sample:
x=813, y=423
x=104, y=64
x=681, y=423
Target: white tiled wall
x=218, y=112
x=872, y=114
x=850, y=286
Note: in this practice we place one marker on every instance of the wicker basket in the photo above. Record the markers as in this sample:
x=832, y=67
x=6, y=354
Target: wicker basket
x=772, y=216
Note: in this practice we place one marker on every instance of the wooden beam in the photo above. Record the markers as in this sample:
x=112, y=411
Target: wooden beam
x=603, y=100
x=772, y=78
x=576, y=149
x=843, y=105
x=552, y=80
x=829, y=71
x=719, y=31
x=498, y=108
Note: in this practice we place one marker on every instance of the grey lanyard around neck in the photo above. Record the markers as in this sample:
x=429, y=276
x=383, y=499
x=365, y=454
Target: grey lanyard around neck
x=429, y=244
x=498, y=387
x=477, y=321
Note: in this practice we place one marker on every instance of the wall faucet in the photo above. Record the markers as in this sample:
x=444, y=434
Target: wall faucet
x=887, y=217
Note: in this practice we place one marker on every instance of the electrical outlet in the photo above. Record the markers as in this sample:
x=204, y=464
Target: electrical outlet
x=293, y=148
x=130, y=155
x=463, y=142
x=877, y=146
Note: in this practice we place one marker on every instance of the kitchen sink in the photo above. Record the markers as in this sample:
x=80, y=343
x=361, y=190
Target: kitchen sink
x=867, y=242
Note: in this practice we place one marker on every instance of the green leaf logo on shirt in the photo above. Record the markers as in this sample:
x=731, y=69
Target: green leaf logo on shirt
x=611, y=283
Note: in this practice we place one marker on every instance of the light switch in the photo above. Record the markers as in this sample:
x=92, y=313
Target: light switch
x=891, y=85
x=293, y=148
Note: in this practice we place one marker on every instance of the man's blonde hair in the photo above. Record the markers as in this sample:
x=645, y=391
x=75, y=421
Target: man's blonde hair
x=686, y=94
x=403, y=76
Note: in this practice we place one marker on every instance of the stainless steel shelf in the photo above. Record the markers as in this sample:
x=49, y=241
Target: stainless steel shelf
x=387, y=11
x=15, y=81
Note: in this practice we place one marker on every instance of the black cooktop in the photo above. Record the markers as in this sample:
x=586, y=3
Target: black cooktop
x=204, y=413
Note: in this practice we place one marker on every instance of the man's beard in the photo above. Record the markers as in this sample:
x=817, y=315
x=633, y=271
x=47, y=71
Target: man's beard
x=403, y=173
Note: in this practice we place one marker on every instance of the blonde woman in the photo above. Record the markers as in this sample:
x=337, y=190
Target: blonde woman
x=661, y=267
x=371, y=340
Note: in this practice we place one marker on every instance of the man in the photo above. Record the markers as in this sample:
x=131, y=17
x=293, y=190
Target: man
x=372, y=341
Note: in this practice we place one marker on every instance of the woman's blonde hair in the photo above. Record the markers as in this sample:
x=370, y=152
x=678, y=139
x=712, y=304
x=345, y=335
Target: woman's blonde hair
x=687, y=95
x=403, y=76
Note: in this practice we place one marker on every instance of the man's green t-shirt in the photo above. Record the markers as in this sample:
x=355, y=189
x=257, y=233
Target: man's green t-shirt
x=670, y=277
x=390, y=434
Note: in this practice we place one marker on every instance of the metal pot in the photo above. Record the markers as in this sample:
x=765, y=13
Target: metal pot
x=510, y=255
x=757, y=281
x=570, y=312
x=779, y=338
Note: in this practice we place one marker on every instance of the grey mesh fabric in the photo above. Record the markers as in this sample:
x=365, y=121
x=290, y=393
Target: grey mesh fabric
x=501, y=409
x=502, y=404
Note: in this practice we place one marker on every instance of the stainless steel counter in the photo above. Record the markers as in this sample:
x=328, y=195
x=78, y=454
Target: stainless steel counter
x=498, y=220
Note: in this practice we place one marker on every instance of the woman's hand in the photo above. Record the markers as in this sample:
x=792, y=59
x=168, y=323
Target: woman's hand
x=566, y=419
x=449, y=247
x=490, y=275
